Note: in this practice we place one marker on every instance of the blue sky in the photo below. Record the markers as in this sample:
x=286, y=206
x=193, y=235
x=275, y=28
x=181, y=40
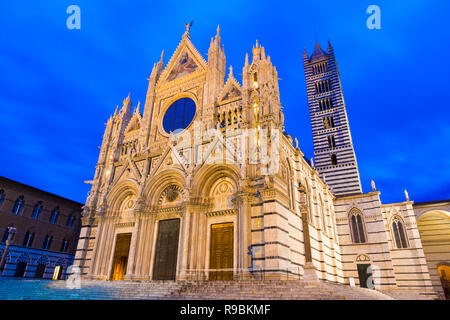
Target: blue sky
x=59, y=86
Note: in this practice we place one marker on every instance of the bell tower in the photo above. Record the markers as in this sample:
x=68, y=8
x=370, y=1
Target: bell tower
x=334, y=154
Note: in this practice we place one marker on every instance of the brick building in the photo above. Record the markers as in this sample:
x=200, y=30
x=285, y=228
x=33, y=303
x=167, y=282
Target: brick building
x=42, y=229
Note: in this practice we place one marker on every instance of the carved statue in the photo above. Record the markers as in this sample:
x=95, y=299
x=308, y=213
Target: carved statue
x=406, y=195
x=188, y=26
x=372, y=183
x=85, y=211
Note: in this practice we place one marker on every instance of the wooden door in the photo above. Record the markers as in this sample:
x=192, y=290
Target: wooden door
x=221, y=252
x=120, y=260
x=166, y=252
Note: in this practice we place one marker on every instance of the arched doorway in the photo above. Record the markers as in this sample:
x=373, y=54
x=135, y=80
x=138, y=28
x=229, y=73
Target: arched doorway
x=444, y=274
x=120, y=260
x=434, y=230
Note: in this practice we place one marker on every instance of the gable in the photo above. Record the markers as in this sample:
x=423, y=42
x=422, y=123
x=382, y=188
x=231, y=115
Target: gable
x=232, y=92
x=185, y=61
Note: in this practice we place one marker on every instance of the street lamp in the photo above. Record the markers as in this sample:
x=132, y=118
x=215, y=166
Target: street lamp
x=11, y=232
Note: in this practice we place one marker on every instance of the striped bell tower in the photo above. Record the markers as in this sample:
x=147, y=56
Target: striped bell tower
x=335, y=158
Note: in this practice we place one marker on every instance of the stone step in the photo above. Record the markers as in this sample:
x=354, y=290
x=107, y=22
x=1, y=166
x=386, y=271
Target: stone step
x=230, y=290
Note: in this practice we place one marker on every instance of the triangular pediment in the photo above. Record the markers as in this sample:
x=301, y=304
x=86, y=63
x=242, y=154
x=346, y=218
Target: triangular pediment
x=170, y=158
x=186, y=61
x=231, y=90
x=134, y=124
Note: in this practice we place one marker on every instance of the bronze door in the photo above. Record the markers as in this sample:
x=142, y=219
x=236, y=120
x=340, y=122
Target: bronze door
x=165, y=266
x=221, y=253
x=120, y=260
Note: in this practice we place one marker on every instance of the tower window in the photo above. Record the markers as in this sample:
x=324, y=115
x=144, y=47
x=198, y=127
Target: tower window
x=333, y=159
x=320, y=68
x=322, y=86
x=328, y=122
x=325, y=104
x=331, y=142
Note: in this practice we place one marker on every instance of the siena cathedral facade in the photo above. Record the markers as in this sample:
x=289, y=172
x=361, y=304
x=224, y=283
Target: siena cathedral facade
x=206, y=184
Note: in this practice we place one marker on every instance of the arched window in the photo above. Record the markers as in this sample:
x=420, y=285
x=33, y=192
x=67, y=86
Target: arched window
x=64, y=245
x=399, y=232
x=28, y=239
x=37, y=210
x=2, y=197
x=357, y=229
x=55, y=215
x=47, y=242
x=18, y=206
x=333, y=159
x=71, y=219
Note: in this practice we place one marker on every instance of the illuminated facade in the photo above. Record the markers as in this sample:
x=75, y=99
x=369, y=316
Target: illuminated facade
x=38, y=232
x=205, y=184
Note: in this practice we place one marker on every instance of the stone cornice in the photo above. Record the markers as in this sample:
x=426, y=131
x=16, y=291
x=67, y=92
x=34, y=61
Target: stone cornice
x=228, y=212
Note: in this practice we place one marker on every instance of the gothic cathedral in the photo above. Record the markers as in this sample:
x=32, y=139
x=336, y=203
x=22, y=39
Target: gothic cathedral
x=206, y=184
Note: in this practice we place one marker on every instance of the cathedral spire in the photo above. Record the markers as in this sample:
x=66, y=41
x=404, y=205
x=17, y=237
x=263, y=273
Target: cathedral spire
x=136, y=110
x=230, y=75
x=217, y=38
x=127, y=103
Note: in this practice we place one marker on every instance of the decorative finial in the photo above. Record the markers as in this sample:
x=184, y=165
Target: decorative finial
x=231, y=72
x=372, y=183
x=406, y=195
x=218, y=29
x=136, y=110
x=256, y=43
x=162, y=55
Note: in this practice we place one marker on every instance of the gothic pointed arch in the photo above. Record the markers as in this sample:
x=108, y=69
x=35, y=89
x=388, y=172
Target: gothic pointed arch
x=208, y=175
x=156, y=191
x=398, y=230
x=357, y=226
x=122, y=197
